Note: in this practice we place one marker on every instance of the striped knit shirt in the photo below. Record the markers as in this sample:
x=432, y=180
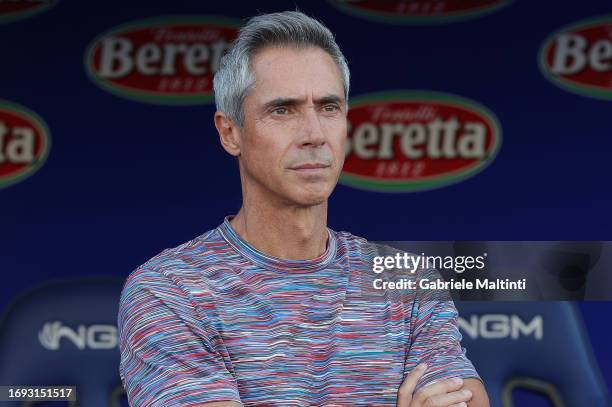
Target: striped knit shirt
x=215, y=319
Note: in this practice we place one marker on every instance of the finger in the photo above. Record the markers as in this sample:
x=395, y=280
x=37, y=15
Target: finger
x=451, y=398
x=462, y=404
x=404, y=394
x=438, y=388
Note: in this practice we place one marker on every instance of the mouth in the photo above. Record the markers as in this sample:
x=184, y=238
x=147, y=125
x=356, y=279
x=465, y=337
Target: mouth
x=310, y=167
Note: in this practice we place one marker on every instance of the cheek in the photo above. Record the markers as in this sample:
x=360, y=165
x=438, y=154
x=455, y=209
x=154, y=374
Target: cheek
x=264, y=152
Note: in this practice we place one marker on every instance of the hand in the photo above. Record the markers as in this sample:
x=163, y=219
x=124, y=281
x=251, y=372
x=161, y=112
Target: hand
x=445, y=393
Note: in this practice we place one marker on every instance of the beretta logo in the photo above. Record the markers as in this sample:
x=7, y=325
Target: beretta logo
x=420, y=11
x=578, y=57
x=168, y=60
x=11, y=10
x=411, y=141
x=24, y=143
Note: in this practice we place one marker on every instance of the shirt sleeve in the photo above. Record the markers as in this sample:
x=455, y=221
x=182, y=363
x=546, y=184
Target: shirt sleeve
x=169, y=356
x=435, y=338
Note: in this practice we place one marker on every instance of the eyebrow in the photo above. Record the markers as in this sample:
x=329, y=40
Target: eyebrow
x=284, y=101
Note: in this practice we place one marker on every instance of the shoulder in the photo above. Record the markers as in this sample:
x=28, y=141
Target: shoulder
x=182, y=266
x=354, y=244
x=360, y=246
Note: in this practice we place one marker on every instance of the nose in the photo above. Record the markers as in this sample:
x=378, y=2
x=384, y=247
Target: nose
x=313, y=135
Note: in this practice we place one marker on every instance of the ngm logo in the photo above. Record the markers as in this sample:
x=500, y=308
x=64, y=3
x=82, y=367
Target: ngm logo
x=578, y=58
x=12, y=10
x=83, y=337
x=24, y=143
x=168, y=60
x=411, y=141
x=502, y=326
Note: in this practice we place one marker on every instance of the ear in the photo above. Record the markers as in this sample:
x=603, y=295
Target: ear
x=229, y=133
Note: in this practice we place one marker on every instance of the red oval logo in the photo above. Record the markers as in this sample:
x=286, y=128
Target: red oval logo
x=24, y=143
x=578, y=57
x=13, y=10
x=168, y=60
x=414, y=141
x=420, y=11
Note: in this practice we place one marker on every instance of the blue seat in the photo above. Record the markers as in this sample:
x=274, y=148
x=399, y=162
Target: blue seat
x=64, y=333
x=539, y=346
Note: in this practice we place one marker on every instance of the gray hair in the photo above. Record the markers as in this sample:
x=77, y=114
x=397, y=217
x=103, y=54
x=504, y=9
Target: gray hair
x=234, y=79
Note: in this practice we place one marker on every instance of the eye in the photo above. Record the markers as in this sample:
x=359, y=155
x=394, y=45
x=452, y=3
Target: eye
x=331, y=108
x=280, y=110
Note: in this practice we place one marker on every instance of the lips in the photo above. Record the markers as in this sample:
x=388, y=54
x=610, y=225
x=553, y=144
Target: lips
x=310, y=166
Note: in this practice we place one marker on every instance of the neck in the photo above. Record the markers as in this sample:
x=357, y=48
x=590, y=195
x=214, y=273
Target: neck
x=288, y=232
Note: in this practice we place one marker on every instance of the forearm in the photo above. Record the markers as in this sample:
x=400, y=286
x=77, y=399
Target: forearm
x=479, y=394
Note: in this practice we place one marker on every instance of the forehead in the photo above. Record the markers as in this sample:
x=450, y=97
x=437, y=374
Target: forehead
x=295, y=72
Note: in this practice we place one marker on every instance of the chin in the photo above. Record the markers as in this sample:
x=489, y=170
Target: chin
x=312, y=201
x=312, y=198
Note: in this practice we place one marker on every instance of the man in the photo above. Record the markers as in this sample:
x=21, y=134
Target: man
x=267, y=309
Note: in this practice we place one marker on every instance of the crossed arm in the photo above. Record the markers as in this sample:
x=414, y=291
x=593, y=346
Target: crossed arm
x=454, y=392
x=446, y=393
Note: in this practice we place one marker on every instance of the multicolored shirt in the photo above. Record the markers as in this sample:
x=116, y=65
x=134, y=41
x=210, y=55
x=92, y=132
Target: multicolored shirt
x=215, y=319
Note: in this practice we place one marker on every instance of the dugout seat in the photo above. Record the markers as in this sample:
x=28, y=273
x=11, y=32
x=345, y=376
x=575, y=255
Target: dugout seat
x=537, y=346
x=65, y=333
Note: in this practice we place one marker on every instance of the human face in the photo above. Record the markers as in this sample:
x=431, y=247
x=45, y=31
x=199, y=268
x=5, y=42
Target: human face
x=295, y=128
